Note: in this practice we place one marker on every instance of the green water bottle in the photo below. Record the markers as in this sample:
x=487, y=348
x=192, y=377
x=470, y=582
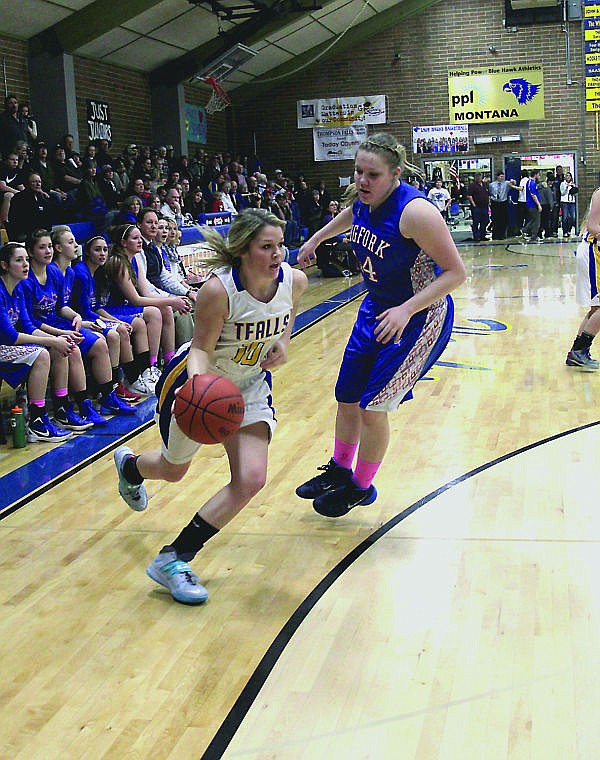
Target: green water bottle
x=17, y=425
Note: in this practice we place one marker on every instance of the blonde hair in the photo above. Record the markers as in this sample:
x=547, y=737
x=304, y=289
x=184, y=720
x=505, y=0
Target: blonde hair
x=391, y=152
x=57, y=233
x=244, y=228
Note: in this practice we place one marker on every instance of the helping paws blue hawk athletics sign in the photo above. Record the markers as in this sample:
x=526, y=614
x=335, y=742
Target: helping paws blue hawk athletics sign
x=492, y=94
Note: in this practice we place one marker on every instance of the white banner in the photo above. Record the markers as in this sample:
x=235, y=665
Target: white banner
x=341, y=112
x=338, y=144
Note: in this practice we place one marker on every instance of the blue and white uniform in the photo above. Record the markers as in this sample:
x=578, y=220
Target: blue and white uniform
x=84, y=299
x=381, y=376
x=15, y=361
x=119, y=306
x=43, y=301
x=248, y=333
x=587, y=269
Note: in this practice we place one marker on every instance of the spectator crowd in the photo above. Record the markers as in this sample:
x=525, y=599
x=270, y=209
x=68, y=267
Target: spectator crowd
x=93, y=325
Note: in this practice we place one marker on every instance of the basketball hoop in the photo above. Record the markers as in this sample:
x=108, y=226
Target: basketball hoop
x=219, y=99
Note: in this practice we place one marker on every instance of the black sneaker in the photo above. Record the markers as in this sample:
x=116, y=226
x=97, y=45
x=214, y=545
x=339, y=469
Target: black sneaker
x=333, y=476
x=341, y=500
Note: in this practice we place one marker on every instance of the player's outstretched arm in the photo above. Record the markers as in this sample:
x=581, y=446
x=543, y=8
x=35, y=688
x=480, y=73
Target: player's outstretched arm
x=339, y=224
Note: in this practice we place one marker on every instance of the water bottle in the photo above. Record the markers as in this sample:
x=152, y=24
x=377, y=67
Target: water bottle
x=17, y=424
x=21, y=399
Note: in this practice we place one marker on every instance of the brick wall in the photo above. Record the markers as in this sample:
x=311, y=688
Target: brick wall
x=452, y=35
x=216, y=124
x=128, y=94
x=14, y=70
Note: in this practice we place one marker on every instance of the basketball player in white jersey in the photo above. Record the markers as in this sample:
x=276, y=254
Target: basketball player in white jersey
x=243, y=325
x=586, y=288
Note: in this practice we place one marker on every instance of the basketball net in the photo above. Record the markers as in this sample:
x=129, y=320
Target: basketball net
x=219, y=99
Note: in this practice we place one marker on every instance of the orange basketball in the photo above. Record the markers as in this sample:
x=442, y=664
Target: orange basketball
x=209, y=408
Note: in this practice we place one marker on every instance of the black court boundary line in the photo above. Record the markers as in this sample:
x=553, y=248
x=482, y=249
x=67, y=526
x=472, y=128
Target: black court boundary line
x=24, y=500
x=507, y=248
x=244, y=702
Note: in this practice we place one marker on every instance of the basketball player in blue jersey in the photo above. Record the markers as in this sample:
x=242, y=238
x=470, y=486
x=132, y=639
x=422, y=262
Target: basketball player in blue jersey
x=243, y=324
x=586, y=288
x=409, y=264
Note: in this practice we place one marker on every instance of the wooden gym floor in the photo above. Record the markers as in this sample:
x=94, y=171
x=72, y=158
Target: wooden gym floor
x=456, y=617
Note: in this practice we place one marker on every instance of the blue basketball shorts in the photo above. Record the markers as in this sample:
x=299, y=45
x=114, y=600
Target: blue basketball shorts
x=380, y=377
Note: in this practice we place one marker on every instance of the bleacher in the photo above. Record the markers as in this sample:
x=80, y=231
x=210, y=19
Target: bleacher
x=191, y=235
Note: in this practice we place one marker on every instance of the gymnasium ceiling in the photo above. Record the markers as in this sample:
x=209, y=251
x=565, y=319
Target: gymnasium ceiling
x=172, y=40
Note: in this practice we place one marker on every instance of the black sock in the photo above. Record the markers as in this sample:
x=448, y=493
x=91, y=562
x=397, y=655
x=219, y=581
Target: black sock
x=59, y=402
x=582, y=342
x=115, y=376
x=106, y=389
x=131, y=472
x=192, y=538
x=36, y=411
x=142, y=361
x=130, y=371
x=80, y=397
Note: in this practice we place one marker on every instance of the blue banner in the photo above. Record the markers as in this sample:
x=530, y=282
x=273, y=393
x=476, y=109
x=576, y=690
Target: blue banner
x=195, y=123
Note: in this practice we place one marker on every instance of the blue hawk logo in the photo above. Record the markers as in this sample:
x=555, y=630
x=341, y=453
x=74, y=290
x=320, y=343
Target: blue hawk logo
x=523, y=90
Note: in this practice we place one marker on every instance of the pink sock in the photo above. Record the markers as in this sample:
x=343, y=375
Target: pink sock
x=364, y=473
x=153, y=360
x=168, y=355
x=39, y=402
x=60, y=392
x=343, y=453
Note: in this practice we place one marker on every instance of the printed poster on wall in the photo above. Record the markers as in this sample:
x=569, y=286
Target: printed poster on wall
x=341, y=112
x=503, y=93
x=195, y=123
x=98, y=120
x=337, y=144
x=447, y=138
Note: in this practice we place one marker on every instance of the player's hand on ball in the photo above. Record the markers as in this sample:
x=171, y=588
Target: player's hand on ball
x=276, y=355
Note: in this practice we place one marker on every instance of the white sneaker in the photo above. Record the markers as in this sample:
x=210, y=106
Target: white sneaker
x=134, y=496
x=176, y=575
x=156, y=373
x=148, y=379
x=138, y=386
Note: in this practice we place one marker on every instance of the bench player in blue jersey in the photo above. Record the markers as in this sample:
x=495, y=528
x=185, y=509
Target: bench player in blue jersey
x=409, y=264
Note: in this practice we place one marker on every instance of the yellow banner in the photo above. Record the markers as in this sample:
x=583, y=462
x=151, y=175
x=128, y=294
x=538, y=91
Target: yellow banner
x=477, y=96
x=592, y=57
x=592, y=34
x=592, y=105
x=591, y=11
x=592, y=93
x=592, y=81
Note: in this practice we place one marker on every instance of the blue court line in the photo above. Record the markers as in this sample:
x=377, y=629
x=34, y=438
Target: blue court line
x=52, y=467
